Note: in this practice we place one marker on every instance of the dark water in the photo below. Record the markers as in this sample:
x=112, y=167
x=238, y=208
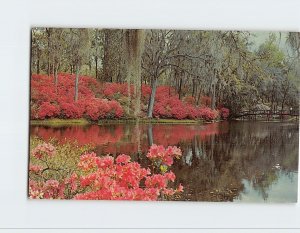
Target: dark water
x=236, y=161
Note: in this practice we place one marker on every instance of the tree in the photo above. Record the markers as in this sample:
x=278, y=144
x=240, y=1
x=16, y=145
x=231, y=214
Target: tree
x=134, y=46
x=78, y=50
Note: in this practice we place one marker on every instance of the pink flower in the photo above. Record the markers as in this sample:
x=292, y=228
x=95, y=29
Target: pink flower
x=52, y=184
x=88, y=161
x=106, y=161
x=170, y=176
x=168, y=192
x=168, y=160
x=162, y=155
x=180, y=188
x=44, y=149
x=35, y=168
x=123, y=159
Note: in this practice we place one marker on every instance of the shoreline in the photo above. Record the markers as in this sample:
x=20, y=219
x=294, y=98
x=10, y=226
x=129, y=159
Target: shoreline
x=83, y=121
x=56, y=122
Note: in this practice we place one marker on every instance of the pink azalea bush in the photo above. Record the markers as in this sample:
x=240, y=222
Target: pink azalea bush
x=49, y=100
x=164, y=156
x=106, y=177
x=98, y=100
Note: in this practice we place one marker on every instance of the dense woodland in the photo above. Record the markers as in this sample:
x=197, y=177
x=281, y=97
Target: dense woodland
x=218, y=69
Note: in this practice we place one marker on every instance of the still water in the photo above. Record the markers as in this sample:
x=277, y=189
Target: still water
x=227, y=161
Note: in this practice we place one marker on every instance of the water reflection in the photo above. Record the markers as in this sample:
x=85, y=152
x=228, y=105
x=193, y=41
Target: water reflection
x=236, y=161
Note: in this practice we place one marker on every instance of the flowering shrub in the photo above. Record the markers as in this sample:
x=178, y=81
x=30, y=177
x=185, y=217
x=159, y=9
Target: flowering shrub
x=106, y=100
x=42, y=150
x=163, y=156
x=47, y=110
x=101, y=108
x=224, y=112
x=208, y=114
x=70, y=110
x=49, y=101
x=106, y=177
x=35, y=168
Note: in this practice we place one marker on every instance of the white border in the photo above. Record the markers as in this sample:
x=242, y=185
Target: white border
x=16, y=18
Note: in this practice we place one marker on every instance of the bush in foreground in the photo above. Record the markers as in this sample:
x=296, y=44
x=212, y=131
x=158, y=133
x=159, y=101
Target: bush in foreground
x=101, y=178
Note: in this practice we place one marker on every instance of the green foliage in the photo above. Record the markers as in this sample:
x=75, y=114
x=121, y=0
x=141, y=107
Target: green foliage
x=61, y=165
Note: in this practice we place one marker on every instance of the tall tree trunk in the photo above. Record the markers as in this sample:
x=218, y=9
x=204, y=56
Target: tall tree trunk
x=38, y=62
x=76, y=83
x=194, y=88
x=56, y=75
x=96, y=68
x=106, y=55
x=152, y=97
x=48, y=50
x=180, y=87
x=213, y=97
x=134, y=40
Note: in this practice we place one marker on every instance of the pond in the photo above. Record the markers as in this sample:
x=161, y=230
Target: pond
x=227, y=161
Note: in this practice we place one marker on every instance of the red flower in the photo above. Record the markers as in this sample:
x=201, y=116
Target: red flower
x=123, y=159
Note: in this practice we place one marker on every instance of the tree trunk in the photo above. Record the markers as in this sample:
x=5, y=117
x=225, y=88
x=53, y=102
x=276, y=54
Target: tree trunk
x=213, y=97
x=48, y=50
x=96, y=68
x=134, y=41
x=194, y=88
x=76, y=83
x=152, y=97
x=38, y=62
x=180, y=87
x=56, y=75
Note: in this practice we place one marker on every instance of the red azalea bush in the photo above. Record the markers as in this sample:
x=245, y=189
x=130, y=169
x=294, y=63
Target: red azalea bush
x=208, y=114
x=70, y=110
x=115, y=90
x=99, y=101
x=224, y=112
x=101, y=108
x=107, y=178
x=164, y=156
x=49, y=101
x=48, y=110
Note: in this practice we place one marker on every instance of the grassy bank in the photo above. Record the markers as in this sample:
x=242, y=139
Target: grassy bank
x=145, y=120
x=60, y=122
x=65, y=122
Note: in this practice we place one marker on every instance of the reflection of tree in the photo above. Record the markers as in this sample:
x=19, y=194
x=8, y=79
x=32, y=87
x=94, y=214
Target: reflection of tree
x=216, y=157
x=150, y=135
x=249, y=151
x=262, y=182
